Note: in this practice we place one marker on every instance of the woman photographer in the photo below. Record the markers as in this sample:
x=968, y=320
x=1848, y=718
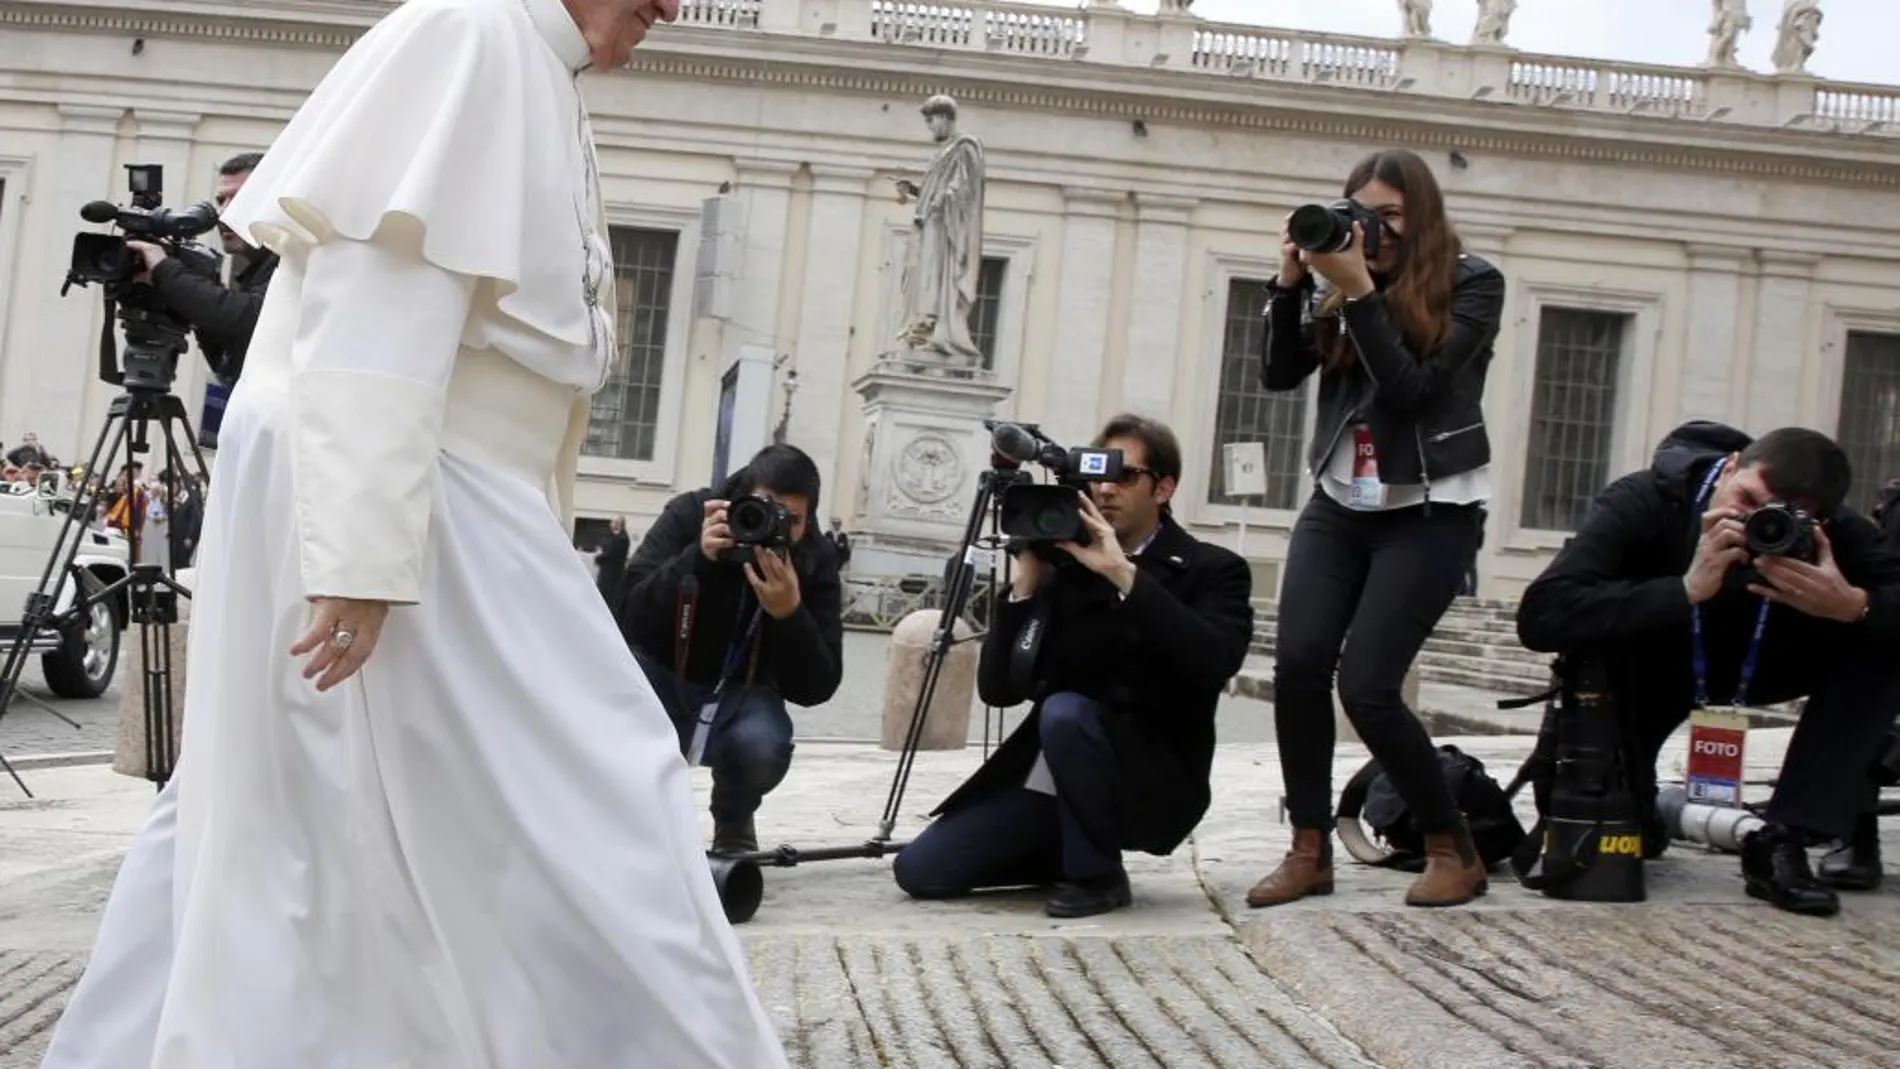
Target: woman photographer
x=1401, y=342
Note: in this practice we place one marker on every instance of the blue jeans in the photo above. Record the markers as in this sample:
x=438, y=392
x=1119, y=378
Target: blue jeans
x=1025, y=838
x=750, y=747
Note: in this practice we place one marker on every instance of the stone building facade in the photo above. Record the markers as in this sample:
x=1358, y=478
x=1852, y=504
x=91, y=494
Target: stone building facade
x=1680, y=243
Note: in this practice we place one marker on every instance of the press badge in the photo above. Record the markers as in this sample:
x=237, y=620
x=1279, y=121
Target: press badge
x=702, y=730
x=1367, y=491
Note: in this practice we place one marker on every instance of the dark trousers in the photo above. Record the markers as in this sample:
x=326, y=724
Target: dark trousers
x=1025, y=838
x=1362, y=592
x=1851, y=684
x=750, y=747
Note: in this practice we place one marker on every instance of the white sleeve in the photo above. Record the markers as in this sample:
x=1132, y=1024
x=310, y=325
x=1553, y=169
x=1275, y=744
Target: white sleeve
x=374, y=349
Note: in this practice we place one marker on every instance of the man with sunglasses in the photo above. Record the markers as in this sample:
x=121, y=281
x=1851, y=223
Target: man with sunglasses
x=1123, y=646
x=1659, y=585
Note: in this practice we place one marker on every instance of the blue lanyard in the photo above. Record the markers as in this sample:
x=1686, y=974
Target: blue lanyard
x=1751, y=659
x=743, y=642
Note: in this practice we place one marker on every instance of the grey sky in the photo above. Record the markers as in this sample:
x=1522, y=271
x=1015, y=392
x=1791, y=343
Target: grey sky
x=1860, y=39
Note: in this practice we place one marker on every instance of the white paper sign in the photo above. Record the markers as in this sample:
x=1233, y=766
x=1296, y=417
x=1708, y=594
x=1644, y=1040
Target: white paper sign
x=1245, y=464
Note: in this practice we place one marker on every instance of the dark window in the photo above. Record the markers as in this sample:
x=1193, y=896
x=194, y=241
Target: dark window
x=1573, y=414
x=1870, y=413
x=1246, y=412
x=626, y=411
x=987, y=312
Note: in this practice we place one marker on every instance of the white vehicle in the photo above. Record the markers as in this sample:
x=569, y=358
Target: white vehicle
x=78, y=661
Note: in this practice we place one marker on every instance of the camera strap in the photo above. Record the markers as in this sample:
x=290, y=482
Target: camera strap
x=1699, y=651
x=744, y=647
x=1027, y=647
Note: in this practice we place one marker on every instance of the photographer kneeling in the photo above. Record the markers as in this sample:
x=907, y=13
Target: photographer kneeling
x=1142, y=629
x=1658, y=584
x=764, y=627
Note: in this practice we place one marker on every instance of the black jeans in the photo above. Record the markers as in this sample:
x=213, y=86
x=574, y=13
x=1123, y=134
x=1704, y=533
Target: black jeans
x=1374, y=583
x=1852, y=686
x=1025, y=838
x=750, y=747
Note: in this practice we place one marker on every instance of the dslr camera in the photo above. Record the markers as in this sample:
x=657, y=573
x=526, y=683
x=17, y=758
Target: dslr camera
x=1780, y=530
x=1328, y=227
x=154, y=333
x=1042, y=514
x=757, y=523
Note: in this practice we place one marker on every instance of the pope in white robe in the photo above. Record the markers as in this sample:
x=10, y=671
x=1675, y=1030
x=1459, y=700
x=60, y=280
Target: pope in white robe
x=453, y=829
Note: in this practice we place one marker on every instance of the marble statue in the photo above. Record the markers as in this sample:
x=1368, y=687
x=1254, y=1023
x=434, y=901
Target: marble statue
x=1726, y=25
x=1800, y=29
x=945, y=254
x=1175, y=7
x=1418, y=17
x=1494, y=21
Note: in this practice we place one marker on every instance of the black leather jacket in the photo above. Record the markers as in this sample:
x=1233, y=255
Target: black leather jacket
x=1426, y=415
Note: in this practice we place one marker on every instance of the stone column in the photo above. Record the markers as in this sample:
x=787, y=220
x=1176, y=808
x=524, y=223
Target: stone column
x=166, y=138
x=1085, y=297
x=1708, y=365
x=1154, y=327
x=825, y=319
x=764, y=195
x=1782, y=303
x=65, y=354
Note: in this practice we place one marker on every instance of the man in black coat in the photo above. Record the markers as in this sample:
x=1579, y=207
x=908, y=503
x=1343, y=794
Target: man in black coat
x=1662, y=558
x=762, y=632
x=1139, y=632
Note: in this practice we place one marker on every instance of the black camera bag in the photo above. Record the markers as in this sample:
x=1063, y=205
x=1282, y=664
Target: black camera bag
x=1370, y=801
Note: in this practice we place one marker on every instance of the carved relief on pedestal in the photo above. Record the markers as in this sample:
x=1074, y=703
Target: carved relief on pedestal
x=925, y=477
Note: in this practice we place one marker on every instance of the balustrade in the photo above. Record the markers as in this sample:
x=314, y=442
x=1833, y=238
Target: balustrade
x=1107, y=35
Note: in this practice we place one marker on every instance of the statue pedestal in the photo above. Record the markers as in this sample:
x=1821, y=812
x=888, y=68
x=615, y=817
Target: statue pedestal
x=924, y=445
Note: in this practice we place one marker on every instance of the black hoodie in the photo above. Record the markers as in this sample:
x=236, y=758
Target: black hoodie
x=1619, y=580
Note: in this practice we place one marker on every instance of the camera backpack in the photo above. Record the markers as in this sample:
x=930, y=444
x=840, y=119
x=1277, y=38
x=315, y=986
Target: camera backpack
x=1369, y=801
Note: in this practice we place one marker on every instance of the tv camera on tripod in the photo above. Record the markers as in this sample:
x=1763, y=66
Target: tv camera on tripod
x=1011, y=512
x=155, y=337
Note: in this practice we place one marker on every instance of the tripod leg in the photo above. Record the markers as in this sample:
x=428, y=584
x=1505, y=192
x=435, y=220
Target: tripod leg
x=956, y=593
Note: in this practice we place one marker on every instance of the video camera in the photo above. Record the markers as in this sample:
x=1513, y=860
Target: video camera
x=756, y=522
x=1328, y=227
x=1044, y=514
x=154, y=333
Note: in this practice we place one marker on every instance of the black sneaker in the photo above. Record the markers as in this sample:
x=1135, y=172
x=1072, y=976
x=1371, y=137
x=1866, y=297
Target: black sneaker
x=1087, y=898
x=735, y=837
x=1775, y=870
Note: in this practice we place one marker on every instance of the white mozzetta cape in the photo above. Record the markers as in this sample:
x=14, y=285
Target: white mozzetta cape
x=450, y=131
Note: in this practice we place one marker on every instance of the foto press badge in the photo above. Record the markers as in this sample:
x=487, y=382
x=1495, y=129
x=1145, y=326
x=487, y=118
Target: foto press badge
x=1716, y=750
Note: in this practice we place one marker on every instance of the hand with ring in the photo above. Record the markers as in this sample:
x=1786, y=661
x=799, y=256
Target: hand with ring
x=342, y=635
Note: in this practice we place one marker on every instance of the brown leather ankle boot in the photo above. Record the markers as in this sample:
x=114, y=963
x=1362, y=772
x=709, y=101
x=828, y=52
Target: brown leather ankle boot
x=1454, y=874
x=1307, y=870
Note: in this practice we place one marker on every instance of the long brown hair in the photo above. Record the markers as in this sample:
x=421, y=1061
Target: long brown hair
x=1418, y=288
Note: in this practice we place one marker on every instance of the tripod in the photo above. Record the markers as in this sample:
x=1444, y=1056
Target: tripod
x=146, y=595
x=737, y=876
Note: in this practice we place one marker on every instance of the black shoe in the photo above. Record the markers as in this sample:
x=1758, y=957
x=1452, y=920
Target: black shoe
x=735, y=837
x=1086, y=898
x=1855, y=864
x=1775, y=870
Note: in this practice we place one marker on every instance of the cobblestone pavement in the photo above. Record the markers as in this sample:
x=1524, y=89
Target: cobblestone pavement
x=858, y=977
x=27, y=729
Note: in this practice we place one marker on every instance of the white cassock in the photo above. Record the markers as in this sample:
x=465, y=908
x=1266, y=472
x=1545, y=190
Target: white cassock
x=481, y=852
